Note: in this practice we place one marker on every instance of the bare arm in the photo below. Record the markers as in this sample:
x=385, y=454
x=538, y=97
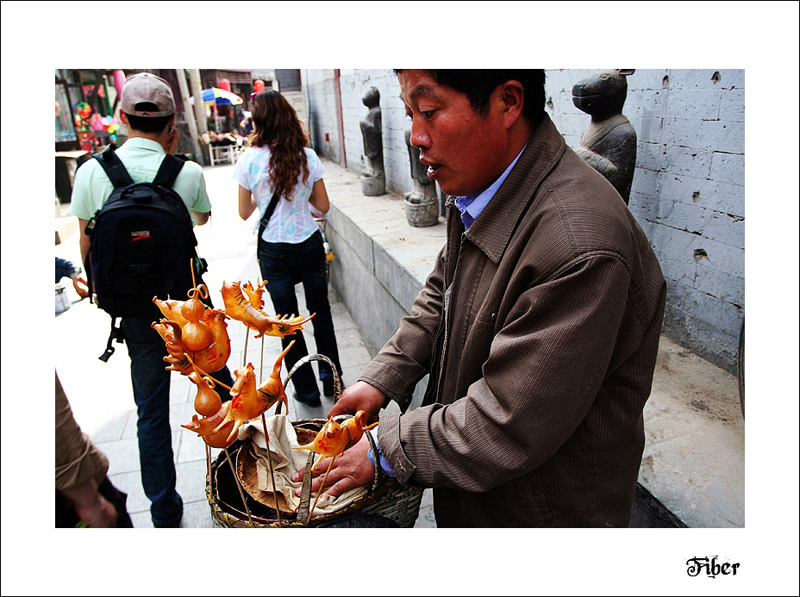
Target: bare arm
x=84, y=241
x=247, y=203
x=319, y=197
x=200, y=218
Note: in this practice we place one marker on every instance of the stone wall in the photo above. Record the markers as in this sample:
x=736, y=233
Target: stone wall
x=325, y=133
x=688, y=193
x=688, y=187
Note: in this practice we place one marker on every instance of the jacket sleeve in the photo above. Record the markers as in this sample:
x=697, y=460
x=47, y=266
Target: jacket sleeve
x=406, y=357
x=77, y=459
x=545, y=367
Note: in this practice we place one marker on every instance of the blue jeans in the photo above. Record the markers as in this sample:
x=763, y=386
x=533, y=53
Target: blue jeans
x=151, y=393
x=283, y=265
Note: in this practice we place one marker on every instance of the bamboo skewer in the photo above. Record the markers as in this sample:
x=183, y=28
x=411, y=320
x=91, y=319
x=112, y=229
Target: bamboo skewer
x=321, y=487
x=246, y=338
x=199, y=370
x=239, y=486
x=266, y=434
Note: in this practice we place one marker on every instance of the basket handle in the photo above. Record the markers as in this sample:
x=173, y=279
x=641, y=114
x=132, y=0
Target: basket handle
x=337, y=383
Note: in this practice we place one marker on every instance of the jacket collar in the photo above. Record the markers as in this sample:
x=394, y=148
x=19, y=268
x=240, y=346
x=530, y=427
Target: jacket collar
x=492, y=231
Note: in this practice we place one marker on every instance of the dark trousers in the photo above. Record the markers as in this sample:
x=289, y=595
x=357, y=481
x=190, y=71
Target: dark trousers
x=151, y=393
x=283, y=265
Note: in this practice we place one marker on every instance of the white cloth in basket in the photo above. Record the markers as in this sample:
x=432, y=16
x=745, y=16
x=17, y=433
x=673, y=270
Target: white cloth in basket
x=286, y=462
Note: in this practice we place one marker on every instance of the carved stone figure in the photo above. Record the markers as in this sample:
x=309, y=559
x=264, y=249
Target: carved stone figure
x=422, y=203
x=424, y=187
x=373, y=178
x=609, y=142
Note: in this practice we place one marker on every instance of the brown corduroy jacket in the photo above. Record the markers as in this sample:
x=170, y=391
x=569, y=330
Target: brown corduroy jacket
x=77, y=458
x=539, y=327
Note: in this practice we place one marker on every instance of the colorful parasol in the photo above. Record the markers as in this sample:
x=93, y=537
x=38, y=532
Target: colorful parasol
x=219, y=97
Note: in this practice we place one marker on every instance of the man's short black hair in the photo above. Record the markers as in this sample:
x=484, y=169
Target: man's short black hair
x=478, y=85
x=148, y=124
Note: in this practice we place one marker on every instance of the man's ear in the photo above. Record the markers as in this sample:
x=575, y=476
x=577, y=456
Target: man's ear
x=512, y=94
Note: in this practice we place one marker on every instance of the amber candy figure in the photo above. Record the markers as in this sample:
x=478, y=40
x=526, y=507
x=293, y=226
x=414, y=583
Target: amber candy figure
x=190, y=327
x=248, y=401
x=334, y=437
x=239, y=307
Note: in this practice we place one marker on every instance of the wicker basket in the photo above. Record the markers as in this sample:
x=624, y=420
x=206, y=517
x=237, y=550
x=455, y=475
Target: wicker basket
x=385, y=498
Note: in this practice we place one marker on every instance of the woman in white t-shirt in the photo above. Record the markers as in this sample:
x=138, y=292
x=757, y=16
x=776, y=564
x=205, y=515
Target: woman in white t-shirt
x=290, y=248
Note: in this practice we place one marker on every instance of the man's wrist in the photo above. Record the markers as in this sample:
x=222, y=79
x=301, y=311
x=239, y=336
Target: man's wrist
x=382, y=461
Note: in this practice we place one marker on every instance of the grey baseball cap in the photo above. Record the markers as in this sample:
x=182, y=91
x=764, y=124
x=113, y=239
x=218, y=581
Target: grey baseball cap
x=147, y=87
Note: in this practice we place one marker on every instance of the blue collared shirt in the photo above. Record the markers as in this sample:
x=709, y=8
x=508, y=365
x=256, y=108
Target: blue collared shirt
x=471, y=206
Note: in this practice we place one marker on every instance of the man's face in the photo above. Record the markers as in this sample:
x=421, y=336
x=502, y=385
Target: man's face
x=464, y=151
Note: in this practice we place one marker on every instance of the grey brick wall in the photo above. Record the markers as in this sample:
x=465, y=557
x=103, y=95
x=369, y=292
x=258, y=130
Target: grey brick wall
x=688, y=192
x=353, y=84
x=688, y=187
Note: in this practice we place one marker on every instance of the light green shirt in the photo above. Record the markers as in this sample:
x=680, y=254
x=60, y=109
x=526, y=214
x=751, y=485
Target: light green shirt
x=142, y=159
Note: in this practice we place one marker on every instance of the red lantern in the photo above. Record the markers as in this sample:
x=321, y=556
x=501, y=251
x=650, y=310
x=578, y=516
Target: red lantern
x=224, y=84
x=258, y=86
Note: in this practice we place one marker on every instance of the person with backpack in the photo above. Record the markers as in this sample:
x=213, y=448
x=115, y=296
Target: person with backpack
x=127, y=253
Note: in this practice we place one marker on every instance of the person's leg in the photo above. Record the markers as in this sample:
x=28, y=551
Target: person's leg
x=276, y=261
x=151, y=394
x=311, y=262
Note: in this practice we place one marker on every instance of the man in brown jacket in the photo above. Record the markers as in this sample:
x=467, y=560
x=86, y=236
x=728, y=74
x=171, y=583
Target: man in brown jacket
x=539, y=325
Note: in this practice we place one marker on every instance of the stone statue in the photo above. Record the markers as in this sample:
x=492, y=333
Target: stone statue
x=424, y=187
x=422, y=203
x=373, y=179
x=609, y=141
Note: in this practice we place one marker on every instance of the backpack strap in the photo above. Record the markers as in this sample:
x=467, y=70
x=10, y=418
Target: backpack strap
x=267, y=215
x=114, y=167
x=168, y=171
x=116, y=334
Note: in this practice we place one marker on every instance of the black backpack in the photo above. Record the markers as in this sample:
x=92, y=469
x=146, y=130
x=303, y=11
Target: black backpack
x=142, y=244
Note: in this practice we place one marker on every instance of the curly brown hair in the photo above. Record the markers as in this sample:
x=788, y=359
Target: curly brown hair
x=277, y=127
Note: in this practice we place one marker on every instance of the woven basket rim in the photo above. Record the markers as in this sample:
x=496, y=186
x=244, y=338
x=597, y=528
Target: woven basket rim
x=389, y=499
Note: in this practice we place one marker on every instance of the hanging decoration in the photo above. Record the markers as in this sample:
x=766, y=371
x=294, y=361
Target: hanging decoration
x=82, y=112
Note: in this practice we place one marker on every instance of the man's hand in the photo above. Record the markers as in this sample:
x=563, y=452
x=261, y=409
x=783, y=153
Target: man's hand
x=91, y=507
x=350, y=469
x=359, y=396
